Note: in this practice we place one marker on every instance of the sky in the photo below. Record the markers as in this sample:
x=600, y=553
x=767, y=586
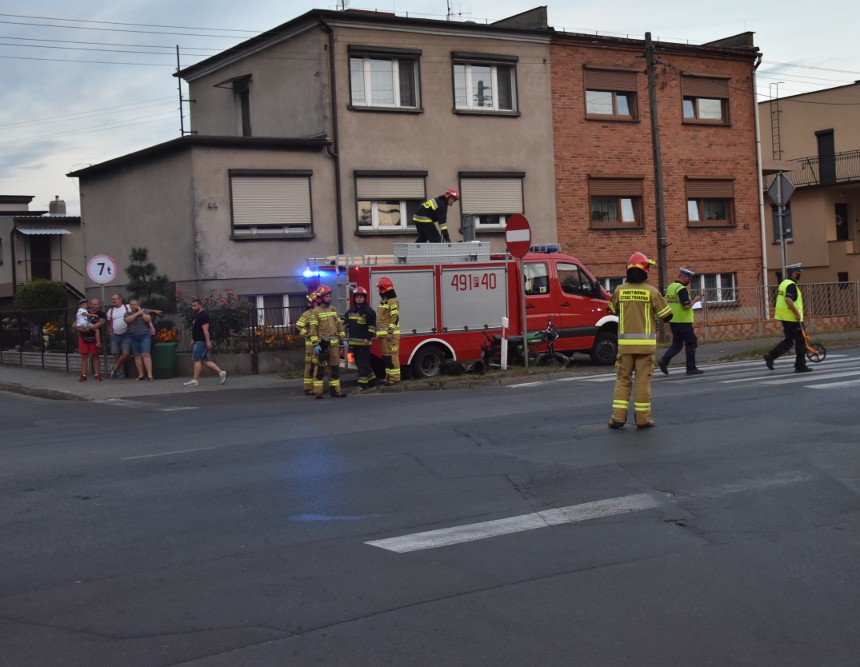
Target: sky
x=90, y=81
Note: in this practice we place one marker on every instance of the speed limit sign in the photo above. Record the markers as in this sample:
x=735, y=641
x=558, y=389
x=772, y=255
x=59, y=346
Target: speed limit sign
x=101, y=269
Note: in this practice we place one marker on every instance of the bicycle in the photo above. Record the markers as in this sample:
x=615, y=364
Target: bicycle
x=815, y=352
x=492, y=349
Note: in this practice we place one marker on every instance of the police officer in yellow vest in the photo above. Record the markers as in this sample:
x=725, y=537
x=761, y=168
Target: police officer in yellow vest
x=637, y=304
x=683, y=335
x=789, y=310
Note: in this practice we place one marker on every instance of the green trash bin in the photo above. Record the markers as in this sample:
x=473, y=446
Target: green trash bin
x=164, y=360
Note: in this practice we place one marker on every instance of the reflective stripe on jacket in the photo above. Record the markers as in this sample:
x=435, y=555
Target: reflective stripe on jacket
x=325, y=325
x=388, y=317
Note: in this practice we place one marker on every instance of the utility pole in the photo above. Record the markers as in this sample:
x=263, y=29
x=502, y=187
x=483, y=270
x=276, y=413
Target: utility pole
x=182, y=131
x=650, y=67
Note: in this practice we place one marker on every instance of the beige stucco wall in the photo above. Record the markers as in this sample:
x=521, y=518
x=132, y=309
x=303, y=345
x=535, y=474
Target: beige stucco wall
x=444, y=143
x=147, y=205
x=286, y=92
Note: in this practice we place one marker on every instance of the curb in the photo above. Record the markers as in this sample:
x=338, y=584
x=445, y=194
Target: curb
x=53, y=394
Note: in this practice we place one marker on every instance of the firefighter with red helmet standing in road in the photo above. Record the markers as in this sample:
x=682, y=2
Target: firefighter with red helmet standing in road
x=637, y=304
x=388, y=330
x=433, y=211
x=326, y=333
x=303, y=328
x=360, y=331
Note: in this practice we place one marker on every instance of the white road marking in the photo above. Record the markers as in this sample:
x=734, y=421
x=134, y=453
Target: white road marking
x=178, y=451
x=756, y=484
x=175, y=409
x=479, y=531
x=802, y=377
x=834, y=385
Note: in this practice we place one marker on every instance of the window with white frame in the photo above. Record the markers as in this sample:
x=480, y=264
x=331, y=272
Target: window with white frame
x=484, y=82
x=609, y=284
x=383, y=78
x=710, y=203
x=705, y=99
x=270, y=203
x=716, y=287
x=273, y=310
x=386, y=201
x=490, y=198
x=610, y=94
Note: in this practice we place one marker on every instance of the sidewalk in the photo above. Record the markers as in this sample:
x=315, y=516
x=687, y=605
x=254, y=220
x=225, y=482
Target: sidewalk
x=65, y=386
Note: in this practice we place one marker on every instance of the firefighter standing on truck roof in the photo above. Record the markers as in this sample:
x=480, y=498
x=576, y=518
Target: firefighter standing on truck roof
x=326, y=332
x=433, y=211
x=388, y=330
x=303, y=327
x=636, y=303
x=360, y=331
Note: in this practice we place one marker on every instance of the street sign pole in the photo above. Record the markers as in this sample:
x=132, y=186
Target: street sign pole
x=780, y=192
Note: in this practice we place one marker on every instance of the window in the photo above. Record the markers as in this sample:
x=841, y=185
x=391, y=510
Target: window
x=710, y=203
x=616, y=203
x=490, y=198
x=383, y=78
x=484, y=82
x=841, y=221
x=269, y=204
x=610, y=94
x=241, y=87
x=536, y=277
x=716, y=287
x=574, y=280
x=786, y=222
x=706, y=99
x=386, y=201
x=272, y=309
x=609, y=284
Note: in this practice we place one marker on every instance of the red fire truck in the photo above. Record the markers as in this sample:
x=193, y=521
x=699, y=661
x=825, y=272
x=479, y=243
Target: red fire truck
x=452, y=294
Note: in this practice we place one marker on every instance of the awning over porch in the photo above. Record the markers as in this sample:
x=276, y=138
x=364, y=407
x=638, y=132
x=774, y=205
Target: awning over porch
x=49, y=231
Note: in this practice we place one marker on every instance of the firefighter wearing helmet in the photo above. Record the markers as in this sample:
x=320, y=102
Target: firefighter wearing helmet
x=638, y=305
x=326, y=334
x=303, y=328
x=433, y=211
x=360, y=332
x=388, y=330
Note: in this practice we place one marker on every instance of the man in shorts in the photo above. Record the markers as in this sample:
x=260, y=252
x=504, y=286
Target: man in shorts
x=202, y=344
x=119, y=344
x=87, y=346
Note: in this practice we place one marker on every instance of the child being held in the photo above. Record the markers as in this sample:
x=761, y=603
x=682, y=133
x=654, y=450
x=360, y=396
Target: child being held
x=84, y=324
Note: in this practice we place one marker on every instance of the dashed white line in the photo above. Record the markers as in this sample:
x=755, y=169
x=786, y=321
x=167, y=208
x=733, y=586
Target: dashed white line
x=178, y=451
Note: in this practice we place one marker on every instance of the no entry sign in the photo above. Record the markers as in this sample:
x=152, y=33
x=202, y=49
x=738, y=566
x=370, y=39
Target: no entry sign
x=518, y=235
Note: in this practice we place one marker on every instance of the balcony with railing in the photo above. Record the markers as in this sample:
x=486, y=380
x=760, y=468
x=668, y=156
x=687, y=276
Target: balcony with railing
x=840, y=168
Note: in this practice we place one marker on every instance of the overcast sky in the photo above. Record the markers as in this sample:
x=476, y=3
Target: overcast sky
x=88, y=81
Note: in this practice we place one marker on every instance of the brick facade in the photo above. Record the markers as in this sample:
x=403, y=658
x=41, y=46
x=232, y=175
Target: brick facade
x=585, y=148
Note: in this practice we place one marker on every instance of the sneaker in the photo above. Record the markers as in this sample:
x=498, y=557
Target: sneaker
x=802, y=369
x=769, y=361
x=694, y=371
x=222, y=377
x=664, y=366
x=613, y=424
x=114, y=374
x=98, y=377
x=83, y=378
x=191, y=383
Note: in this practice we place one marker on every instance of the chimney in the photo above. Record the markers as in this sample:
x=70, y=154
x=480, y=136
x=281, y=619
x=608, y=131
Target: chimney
x=57, y=207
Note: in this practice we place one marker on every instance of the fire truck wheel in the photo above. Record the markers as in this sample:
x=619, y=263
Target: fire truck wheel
x=605, y=348
x=427, y=362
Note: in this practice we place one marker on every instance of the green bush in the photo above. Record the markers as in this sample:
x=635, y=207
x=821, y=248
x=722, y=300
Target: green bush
x=41, y=295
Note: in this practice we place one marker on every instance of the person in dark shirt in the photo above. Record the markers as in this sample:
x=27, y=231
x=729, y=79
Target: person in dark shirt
x=433, y=211
x=202, y=345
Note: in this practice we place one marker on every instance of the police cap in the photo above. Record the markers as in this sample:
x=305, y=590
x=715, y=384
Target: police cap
x=793, y=267
x=687, y=272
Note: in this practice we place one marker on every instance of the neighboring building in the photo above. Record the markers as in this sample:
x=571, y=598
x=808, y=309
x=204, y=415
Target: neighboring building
x=38, y=244
x=604, y=164
x=815, y=139
x=322, y=136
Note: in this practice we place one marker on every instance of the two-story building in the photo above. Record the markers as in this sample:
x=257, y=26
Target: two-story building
x=815, y=138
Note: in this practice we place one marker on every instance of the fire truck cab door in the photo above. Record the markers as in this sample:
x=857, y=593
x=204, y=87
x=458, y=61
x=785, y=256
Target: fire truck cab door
x=576, y=301
x=541, y=294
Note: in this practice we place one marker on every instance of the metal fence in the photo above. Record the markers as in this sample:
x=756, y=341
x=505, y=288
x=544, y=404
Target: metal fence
x=46, y=339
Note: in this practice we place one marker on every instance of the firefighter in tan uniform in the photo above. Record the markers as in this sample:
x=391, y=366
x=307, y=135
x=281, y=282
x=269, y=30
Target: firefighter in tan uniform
x=388, y=330
x=637, y=304
x=303, y=328
x=326, y=334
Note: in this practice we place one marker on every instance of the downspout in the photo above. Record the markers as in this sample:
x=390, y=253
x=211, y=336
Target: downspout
x=760, y=184
x=12, y=257
x=333, y=150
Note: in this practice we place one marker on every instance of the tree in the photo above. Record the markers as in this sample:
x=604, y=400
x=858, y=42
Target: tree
x=146, y=285
x=41, y=295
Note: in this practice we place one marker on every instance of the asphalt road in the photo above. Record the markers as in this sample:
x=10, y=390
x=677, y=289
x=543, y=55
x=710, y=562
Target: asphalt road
x=263, y=528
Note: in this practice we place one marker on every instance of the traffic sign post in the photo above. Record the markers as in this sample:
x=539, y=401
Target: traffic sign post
x=101, y=269
x=518, y=237
x=780, y=192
